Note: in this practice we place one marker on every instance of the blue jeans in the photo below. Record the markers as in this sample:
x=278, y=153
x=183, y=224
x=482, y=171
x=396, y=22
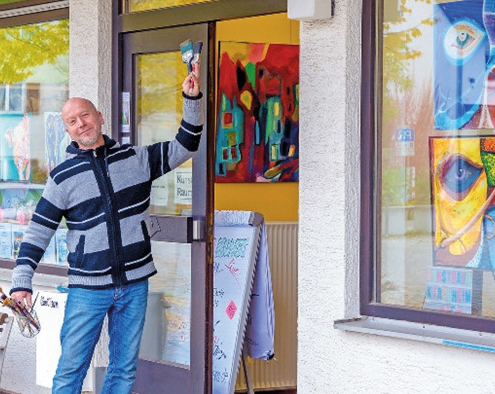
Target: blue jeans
x=84, y=315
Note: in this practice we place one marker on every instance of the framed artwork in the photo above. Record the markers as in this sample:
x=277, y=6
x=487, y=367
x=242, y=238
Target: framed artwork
x=15, y=147
x=464, y=65
x=257, y=135
x=56, y=140
x=463, y=201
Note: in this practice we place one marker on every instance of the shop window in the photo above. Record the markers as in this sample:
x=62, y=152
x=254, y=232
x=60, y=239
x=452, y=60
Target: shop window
x=33, y=87
x=143, y=5
x=433, y=163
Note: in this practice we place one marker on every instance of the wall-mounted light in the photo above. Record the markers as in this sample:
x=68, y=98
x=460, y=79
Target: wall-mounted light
x=307, y=10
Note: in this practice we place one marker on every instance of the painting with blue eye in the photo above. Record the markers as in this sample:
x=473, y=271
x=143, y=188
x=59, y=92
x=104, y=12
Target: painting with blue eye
x=458, y=175
x=461, y=54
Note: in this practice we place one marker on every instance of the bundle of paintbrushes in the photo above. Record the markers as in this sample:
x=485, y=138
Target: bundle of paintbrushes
x=26, y=319
x=191, y=54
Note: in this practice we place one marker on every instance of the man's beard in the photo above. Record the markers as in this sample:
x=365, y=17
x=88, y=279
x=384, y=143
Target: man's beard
x=89, y=142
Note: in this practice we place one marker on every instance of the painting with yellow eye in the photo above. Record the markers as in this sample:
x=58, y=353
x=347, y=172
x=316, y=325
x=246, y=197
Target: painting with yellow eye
x=464, y=66
x=463, y=190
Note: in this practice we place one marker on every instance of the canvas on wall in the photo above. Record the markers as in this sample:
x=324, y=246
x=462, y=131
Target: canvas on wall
x=463, y=206
x=257, y=135
x=15, y=153
x=464, y=64
x=56, y=140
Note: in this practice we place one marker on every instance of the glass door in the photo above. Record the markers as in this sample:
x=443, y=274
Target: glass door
x=176, y=341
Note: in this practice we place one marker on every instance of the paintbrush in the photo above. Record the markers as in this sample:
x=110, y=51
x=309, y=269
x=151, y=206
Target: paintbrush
x=187, y=52
x=198, y=46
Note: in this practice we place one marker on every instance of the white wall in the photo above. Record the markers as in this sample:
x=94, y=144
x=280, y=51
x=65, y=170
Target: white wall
x=329, y=360
x=90, y=76
x=90, y=54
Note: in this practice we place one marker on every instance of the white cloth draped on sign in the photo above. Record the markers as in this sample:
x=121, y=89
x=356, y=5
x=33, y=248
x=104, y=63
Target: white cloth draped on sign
x=260, y=328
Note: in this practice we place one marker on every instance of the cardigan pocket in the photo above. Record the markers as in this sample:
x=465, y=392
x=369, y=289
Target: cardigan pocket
x=80, y=251
x=144, y=228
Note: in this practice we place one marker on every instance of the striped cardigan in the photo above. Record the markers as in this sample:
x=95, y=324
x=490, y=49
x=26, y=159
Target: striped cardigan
x=104, y=194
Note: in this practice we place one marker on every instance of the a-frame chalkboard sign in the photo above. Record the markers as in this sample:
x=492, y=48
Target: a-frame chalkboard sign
x=237, y=240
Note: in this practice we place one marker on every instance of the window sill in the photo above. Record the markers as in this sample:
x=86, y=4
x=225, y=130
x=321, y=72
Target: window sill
x=47, y=269
x=455, y=337
x=40, y=280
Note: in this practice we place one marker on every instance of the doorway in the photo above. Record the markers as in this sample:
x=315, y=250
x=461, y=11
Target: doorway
x=278, y=202
x=175, y=339
x=151, y=57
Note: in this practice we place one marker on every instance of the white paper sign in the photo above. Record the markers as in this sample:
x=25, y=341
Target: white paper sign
x=159, y=192
x=126, y=112
x=5, y=240
x=50, y=307
x=183, y=186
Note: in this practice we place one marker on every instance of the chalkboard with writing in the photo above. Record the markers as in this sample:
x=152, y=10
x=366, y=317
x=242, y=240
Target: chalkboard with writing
x=235, y=249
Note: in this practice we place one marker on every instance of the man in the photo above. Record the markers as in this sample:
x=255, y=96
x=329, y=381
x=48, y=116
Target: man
x=103, y=191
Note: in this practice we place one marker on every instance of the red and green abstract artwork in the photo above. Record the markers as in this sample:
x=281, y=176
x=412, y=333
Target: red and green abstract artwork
x=257, y=133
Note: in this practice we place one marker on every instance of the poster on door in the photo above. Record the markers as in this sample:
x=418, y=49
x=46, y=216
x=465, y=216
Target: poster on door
x=183, y=186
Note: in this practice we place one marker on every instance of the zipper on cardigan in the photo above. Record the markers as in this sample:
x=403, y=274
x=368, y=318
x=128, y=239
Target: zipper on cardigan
x=110, y=223
x=105, y=158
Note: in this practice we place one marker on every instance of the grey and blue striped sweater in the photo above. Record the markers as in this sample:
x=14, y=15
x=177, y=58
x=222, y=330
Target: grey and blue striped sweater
x=104, y=195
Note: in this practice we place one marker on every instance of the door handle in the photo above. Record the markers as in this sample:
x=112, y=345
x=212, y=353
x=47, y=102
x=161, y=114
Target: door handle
x=181, y=229
x=172, y=228
x=198, y=227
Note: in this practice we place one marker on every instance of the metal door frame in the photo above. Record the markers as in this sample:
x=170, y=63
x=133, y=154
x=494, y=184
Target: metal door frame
x=208, y=12
x=155, y=375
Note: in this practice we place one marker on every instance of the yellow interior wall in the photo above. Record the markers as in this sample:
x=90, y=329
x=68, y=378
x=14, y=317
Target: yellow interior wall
x=276, y=201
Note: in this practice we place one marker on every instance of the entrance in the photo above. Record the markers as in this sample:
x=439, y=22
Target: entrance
x=153, y=72
x=175, y=342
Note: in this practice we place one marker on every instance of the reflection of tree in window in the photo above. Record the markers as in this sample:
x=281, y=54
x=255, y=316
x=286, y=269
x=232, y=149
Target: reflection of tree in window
x=33, y=85
x=159, y=81
x=406, y=102
x=23, y=48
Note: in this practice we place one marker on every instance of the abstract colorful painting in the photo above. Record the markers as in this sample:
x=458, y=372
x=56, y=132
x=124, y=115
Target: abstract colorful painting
x=463, y=205
x=257, y=136
x=464, y=69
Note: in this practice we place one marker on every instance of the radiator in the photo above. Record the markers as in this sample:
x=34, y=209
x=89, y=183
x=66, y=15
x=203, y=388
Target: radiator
x=282, y=372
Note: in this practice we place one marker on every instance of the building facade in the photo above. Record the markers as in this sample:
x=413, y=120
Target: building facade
x=377, y=308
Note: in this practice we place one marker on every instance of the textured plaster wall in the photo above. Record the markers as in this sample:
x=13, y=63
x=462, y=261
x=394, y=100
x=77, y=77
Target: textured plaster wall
x=90, y=69
x=329, y=360
x=90, y=54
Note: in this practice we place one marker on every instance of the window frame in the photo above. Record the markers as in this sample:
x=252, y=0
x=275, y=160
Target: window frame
x=45, y=16
x=370, y=196
x=170, y=17
x=30, y=17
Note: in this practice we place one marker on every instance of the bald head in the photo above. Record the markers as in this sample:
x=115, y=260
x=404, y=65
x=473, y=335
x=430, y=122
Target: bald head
x=83, y=122
x=78, y=100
